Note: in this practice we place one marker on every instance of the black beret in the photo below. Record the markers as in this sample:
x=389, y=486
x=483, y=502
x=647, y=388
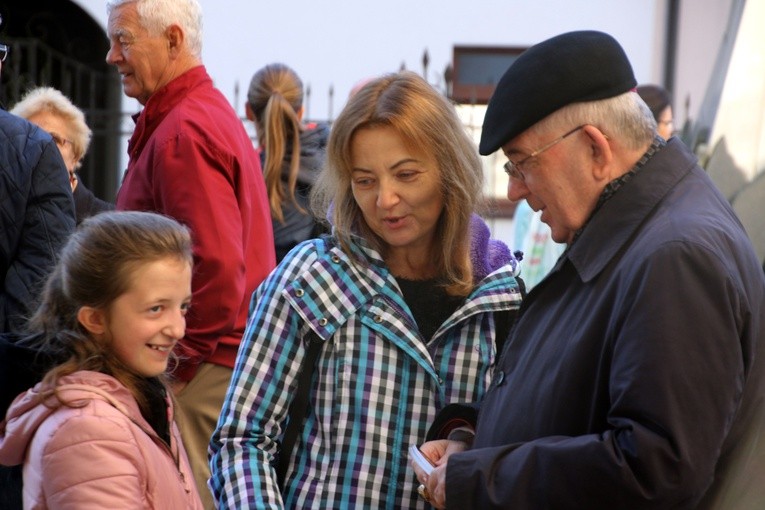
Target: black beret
x=568, y=68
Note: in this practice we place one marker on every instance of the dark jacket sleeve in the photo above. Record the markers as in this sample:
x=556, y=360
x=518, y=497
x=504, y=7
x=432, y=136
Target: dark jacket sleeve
x=40, y=219
x=21, y=367
x=451, y=417
x=87, y=204
x=675, y=385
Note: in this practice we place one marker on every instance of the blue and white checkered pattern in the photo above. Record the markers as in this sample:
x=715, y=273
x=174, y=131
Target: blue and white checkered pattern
x=376, y=388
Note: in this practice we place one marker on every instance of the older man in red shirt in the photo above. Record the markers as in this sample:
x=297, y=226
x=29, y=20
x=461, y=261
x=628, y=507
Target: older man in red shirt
x=191, y=159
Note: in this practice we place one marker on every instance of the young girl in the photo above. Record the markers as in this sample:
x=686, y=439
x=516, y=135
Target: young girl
x=98, y=431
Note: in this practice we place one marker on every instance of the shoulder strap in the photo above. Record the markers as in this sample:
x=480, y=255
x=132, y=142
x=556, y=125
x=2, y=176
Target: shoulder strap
x=505, y=319
x=298, y=407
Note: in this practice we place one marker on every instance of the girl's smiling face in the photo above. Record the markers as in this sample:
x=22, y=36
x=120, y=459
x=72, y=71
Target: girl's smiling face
x=143, y=324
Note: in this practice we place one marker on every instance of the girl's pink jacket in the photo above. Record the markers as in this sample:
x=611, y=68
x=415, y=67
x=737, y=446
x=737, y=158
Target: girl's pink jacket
x=101, y=455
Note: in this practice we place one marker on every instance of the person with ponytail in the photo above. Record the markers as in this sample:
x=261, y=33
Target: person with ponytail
x=98, y=430
x=291, y=152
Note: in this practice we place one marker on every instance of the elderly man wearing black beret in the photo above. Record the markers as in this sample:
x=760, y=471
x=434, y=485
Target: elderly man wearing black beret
x=634, y=377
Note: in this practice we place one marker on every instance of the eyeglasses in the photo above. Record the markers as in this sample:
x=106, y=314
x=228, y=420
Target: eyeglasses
x=60, y=140
x=516, y=169
x=4, y=49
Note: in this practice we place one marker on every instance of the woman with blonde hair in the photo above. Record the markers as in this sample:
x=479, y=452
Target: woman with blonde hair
x=53, y=112
x=291, y=152
x=358, y=339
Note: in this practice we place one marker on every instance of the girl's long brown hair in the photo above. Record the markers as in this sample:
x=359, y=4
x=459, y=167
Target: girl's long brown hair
x=95, y=267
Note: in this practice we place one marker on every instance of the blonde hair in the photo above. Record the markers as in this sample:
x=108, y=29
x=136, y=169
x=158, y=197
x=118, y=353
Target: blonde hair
x=275, y=97
x=429, y=124
x=49, y=100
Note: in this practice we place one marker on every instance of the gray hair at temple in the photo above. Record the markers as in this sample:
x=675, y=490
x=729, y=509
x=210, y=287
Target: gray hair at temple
x=625, y=117
x=157, y=15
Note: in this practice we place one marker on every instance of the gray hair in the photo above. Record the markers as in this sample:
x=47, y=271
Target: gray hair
x=50, y=100
x=157, y=15
x=624, y=117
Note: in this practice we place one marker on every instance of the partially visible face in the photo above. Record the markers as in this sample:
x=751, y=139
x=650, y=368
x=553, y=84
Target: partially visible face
x=144, y=324
x=143, y=61
x=59, y=130
x=397, y=189
x=557, y=182
x=665, y=126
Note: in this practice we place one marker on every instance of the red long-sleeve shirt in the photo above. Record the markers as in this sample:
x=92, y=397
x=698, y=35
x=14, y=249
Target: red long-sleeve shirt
x=191, y=159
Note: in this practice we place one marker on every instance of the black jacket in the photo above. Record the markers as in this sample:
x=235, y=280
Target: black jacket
x=36, y=214
x=634, y=376
x=21, y=367
x=86, y=204
x=300, y=225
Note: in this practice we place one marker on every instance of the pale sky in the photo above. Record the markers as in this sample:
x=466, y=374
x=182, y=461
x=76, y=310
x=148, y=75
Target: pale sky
x=339, y=42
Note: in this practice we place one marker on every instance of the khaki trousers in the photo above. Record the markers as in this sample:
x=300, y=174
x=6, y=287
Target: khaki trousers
x=199, y=405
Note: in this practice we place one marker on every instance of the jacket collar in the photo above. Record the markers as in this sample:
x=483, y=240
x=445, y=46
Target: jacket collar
x=335, y=286
x=620, y=217
x=162, y=102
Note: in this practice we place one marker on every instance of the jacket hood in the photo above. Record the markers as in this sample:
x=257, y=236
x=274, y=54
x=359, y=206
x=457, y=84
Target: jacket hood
x=487, y=254
x=313, y=146
x=26, y=413
x=313, y=138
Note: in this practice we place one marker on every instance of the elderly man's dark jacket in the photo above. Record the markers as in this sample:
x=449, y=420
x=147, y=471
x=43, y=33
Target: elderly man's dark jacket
x=36, y=214
x=635, y=374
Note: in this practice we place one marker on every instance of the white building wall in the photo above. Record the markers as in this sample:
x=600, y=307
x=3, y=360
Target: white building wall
x=701, y=30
